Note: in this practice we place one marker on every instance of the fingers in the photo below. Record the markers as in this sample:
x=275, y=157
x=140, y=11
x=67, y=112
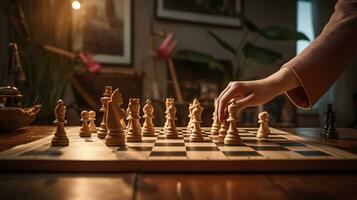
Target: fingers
x=220, y=96
x=235, y=91
x=222, y=104
x=245, y=102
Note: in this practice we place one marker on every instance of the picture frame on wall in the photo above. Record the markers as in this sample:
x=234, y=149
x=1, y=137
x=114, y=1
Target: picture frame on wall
x=105, y=29
x=208, y=12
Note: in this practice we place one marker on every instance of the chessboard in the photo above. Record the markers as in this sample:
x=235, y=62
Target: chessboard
x=281, y=151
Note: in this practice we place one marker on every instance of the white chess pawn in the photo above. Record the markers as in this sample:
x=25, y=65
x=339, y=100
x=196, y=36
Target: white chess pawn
x=85, y=131
x=216, y=123
x=148, y=126
x=263, y=130
x=92, y=125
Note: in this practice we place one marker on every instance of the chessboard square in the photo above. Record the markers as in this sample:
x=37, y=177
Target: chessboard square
x=235, y=148
x=261, y=143
x=146, y=140
x=290, y=144
x=198, y=148
x=201, y=144
x=170, y=141
x=180, y=144
x=167, y=153
x=247, y=136
x=275, y=137
x=168, y=148
x=163, y=137
x=274, y=154
x=140, y=148
x=270, y=148
x=298, y=148
x=200, y=155
x=139, y=144
x=241, y=153
x=312, y=153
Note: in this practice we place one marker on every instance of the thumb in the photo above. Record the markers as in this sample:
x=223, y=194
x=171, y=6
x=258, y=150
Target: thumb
x=244, y=102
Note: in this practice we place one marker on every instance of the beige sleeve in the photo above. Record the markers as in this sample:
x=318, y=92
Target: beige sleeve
x=322, y=62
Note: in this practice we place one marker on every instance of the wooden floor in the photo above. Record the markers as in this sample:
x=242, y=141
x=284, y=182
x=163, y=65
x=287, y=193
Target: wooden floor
x=180, y=186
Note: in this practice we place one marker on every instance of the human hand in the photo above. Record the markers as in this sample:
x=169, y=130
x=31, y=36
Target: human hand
x=255, y=93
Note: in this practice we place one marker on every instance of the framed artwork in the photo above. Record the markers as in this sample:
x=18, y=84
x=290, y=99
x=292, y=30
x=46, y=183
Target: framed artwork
x=210, y=12
x=104, y=28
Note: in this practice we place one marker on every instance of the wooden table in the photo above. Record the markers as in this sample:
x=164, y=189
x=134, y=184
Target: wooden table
x=179, y=186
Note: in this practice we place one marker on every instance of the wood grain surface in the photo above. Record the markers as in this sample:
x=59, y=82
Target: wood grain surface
x=180, y=185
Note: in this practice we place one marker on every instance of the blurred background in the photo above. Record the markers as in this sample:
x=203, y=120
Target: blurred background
x=156, y=49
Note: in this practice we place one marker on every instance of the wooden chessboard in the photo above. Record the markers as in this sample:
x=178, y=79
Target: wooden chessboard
x=281, y=151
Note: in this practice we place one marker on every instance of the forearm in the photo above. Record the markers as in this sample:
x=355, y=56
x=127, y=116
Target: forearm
x=320, y=64
x=282, y=81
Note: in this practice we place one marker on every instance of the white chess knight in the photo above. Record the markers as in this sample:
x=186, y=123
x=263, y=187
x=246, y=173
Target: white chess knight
x=263, y=130
x=115, y=118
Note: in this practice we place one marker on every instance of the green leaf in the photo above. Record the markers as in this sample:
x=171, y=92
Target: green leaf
x=199, y=57
x=260, y=54
x=272, y=33
x=247, y=23
x=277, y=33
x=224, y=44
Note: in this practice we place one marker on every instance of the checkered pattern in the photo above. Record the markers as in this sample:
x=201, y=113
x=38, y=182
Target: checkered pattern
x=276, y=146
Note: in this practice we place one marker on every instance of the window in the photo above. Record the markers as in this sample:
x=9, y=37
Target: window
x=304, y=23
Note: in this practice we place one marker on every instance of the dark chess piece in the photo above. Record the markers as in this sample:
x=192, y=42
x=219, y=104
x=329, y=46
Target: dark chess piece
x=328, y=127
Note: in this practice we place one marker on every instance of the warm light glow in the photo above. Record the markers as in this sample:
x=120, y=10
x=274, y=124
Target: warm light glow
x=76, y=5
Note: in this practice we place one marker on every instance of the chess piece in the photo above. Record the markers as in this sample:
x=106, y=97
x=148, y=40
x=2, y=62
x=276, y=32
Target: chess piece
x=196, y=131
x=328, y=128
x=171, y=131
x=85, y=131
x=263, y=130
x=190, y=108
x=232, y=137
x=167, y=104
x=102, y=132
x=148, y=126
x=216, y=123
x=223, y=131
x=60, y=138
x=92, y=126
x=134, y=126
x=115, y=118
